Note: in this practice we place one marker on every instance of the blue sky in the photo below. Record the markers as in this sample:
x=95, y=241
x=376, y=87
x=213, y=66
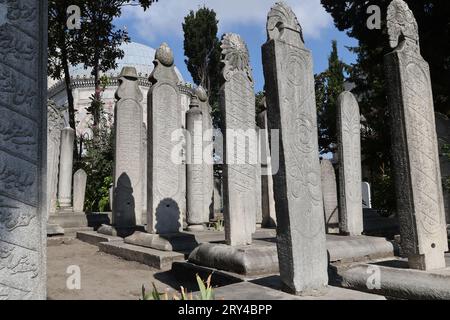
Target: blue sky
x=162, y=23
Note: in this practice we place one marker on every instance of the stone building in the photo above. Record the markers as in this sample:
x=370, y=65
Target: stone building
x=136, y=55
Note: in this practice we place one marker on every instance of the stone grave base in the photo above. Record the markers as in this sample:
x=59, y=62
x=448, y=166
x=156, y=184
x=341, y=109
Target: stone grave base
x=259, y=258
x=253, y=291
x=118, y=231
x=359, y=248
x=157, y=259
x=68, y=219
x=54, y=230
x=94, y=238
x=166, y=242
x=396, y=280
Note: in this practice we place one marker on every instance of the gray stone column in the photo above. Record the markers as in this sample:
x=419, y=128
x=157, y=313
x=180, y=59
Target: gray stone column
x=349, y=144
x=288, y=71
x=144, y=174
x=330, y=200
x=420, y=204
x=23, y=148
x=269, y=217
x=194, y=168
x=66, y=168
x=128, y=158
x=208, y=155
x=166, y=190
x=240, y=142
x=55, y=125
x=79, y=190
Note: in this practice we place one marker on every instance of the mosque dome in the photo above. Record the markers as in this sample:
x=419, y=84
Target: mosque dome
x=135, y=55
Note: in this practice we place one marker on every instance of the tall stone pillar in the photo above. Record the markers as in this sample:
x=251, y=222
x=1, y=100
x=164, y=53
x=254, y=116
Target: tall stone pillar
x=128, y=158
x=55, y=125
x=66, y=168
x=269, y=217
x=166, y=191
x=330, y=198
x=349, y=144
x=420, y=204
x=144, y=174
x=23, y=148
x=240, y=142
x=208, y=154
x=194, y=168
x=79, y=190
x=288, y=71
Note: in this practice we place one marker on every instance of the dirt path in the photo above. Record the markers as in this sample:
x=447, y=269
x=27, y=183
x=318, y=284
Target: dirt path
x=103, y=276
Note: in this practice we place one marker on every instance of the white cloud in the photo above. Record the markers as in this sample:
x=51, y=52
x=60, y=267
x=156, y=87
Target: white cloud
x=165, y=17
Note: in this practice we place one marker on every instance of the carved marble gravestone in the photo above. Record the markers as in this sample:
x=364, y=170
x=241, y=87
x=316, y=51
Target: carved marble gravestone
x=66, y=168
x=79, y=190
x=55, y=125
x=269, y=218
x=329, y=192
x=288, y=72
x=128, y=159
x=366, y=195
x=195, y=215
x=420, y=203
x=349, y=144
x=208, y=150
x=240, y=142
x=166, y=190
x=23, y=147
x=144, y=174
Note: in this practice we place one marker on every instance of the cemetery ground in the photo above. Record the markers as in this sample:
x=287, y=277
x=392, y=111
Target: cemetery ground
x=103, y=276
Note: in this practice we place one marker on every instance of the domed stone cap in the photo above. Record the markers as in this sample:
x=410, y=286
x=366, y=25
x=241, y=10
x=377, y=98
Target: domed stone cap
x=165, y=55
x=128, y=72
x=200, y=92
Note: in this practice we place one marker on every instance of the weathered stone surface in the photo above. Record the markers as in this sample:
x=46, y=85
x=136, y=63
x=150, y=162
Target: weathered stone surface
x=218, y=200
x=257, y=259
x=398, y=282
x=269, y=217
x=253, y=291
x=195, y=215
x=168, y=242
x=55, y=124
x=329, y=192
x=240, y=142
x=23, y=148
x=66, y=167
x=208, y=153
x=94, y=238
x=166, y=190
x=144, y=174
x=79, y=190
x=161, y=260
x=128, y=158
x=291, y=108
x=349, y=144
x=366, y=195
x=420, y=204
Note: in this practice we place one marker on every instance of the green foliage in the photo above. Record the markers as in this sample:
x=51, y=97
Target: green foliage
x=218, y=225
x=329, y=85
x=367, y=74
x=260, y=98
x=202, y=49
x=383, y=192
x=446, y=180
x=205, y=288
x=98, y=163
x=95, y=45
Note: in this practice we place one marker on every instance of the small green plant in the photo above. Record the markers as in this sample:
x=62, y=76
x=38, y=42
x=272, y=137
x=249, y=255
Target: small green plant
x=218, y=225
x=206, y=292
